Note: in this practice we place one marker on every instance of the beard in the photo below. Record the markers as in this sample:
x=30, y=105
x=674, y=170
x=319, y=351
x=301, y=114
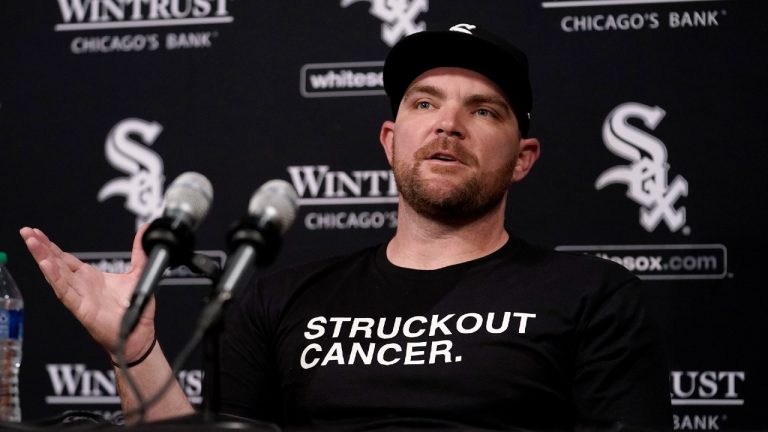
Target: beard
x=470, y=199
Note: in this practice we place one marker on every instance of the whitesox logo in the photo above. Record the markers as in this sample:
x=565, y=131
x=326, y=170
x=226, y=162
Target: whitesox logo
x=399, y=17
x=143, y=187
x=646, y=175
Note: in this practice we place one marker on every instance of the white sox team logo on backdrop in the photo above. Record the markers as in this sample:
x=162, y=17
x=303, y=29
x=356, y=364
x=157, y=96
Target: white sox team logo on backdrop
x=143, y=186
x=399, y=17
x=363, y=78
x=646, y=179
x=127, y=149
x=646, y=175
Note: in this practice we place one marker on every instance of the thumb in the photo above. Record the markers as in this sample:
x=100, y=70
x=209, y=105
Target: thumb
x=138, y=256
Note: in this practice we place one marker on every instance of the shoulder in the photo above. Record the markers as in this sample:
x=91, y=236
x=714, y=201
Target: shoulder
x=578, y=273
x=568, y=263
x=321, y=268
x=280, y=287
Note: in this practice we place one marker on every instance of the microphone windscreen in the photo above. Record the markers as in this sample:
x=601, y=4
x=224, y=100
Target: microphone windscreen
x=276, y=201
x=191, y=195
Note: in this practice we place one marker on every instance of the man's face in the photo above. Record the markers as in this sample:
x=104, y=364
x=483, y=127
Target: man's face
x=454, y=145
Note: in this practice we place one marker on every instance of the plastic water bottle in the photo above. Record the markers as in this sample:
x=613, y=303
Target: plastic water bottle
x=11, y=334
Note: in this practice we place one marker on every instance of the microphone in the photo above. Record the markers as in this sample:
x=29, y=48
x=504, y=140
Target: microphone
x=258, y=236
x=169, y=239
x=255, y=240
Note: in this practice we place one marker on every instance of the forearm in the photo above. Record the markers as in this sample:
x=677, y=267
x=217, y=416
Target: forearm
x=150, y=376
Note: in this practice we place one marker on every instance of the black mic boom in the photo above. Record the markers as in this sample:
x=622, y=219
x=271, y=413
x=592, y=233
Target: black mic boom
x=169, y=239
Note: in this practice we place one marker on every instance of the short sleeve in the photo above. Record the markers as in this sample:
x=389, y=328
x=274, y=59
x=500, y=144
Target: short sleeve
x=621, y=372
x=249, y=376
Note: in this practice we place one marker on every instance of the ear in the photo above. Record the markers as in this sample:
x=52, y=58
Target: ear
x=387, y=138
x=530, y=150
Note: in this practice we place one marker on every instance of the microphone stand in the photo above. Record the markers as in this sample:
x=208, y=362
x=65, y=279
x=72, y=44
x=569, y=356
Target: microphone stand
x=211, y=366
x=211, y=406
x=212, y=318
x=254, y=244
x=209, y=417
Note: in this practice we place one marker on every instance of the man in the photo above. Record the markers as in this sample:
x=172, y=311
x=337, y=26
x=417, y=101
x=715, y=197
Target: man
x=452, y=323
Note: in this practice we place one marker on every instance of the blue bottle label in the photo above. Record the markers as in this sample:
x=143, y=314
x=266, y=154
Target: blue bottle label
x=11, y=324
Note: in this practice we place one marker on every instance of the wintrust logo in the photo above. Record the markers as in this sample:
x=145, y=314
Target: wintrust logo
x=89, y=15
x=646, y=175
x=710, y=389
x=706, y=387
x=609, y=16
x=320, y=186
x=110, y=14
x=143, y=186
x=399, y=17
x=75, y=384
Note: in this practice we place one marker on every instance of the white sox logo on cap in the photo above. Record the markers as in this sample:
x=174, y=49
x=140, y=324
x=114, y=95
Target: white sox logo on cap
x=464, y=28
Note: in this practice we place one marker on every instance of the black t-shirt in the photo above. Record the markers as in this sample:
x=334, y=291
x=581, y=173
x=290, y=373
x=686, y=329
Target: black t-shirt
x=521, y=338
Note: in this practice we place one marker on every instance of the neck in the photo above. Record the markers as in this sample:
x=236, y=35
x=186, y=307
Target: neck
x=426, y=244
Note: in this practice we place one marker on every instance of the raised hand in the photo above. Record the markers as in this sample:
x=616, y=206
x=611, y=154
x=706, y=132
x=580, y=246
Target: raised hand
x=97, y=299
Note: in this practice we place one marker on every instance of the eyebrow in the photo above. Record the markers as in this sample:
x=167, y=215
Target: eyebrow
x=498, y=101
x=423, y=88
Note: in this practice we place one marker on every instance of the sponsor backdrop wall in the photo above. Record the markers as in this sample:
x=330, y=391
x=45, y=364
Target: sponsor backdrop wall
x=651, y=114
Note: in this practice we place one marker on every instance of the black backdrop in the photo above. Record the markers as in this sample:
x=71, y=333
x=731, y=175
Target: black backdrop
x=131, y=94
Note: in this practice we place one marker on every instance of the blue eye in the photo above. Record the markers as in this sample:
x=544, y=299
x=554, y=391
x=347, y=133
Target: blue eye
x=482, y=112
x=423, y=105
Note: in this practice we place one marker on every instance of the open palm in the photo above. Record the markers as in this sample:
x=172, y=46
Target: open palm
x=97, y=299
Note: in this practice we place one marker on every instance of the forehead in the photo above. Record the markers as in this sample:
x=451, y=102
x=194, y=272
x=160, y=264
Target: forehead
x=457, y=79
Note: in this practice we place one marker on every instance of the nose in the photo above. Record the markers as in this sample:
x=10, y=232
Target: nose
x=449, y=123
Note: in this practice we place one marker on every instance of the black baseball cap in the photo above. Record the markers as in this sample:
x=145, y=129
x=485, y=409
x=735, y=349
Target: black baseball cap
x=465, y=46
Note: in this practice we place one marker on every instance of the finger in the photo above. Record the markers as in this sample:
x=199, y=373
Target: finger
x=50, y=247
x=138, y=256
x=49, y=265
x=37, y=246
x=40, y=235
x=55, y=252
x=53, y=276
x=26, y=232
x=54, y=266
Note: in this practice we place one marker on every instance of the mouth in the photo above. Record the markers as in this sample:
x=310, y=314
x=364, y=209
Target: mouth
x=444, y=157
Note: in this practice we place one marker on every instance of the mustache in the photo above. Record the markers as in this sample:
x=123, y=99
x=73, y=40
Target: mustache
x=448, y=145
